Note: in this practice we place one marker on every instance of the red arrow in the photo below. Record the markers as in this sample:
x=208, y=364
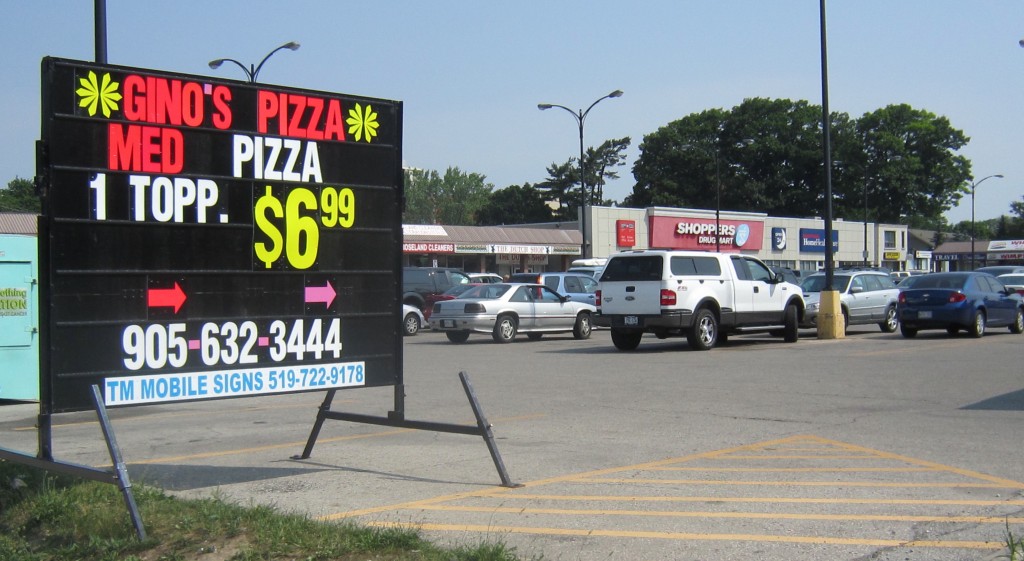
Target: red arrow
x=167, y=297
x=323, y=294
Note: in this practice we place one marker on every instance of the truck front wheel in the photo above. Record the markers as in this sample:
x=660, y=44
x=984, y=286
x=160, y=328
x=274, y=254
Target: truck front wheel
x=704, y=333
x=791, y=331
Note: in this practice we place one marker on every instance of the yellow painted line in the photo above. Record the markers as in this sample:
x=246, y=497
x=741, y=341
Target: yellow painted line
x=800, y=457
x=489, y=529
x=557, y=479
x=791, y=440
x=802, y=470
x=796, y=483
x=964, y=472
x=781, y=500
x=744, y=515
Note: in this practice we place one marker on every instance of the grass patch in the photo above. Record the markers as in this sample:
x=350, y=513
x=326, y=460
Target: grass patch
x=48, y=517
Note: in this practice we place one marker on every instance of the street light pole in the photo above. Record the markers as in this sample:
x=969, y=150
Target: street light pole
x=866, y=223
x=974, y=187
x=580, y=117
x=253, y=70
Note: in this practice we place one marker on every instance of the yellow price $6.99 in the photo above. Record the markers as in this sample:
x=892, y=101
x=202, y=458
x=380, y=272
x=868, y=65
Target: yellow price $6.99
x=293, y=226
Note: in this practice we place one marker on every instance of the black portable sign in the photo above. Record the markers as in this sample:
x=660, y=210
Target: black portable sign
x=207, y=238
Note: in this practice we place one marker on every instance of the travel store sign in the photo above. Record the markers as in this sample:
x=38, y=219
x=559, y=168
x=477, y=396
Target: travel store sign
x=673, y=232
x=210, y=238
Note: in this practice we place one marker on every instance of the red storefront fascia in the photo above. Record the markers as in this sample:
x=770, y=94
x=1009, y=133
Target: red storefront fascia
x=683, y=232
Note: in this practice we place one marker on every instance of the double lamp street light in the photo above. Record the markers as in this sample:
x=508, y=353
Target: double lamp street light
x=580, y=117
x=254, y=70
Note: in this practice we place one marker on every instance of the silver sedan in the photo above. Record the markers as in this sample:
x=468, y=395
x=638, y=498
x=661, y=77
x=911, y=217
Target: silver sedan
x=505, y=309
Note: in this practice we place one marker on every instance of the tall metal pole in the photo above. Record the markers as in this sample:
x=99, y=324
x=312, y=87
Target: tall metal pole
x=865, y=223
x=100, y=30
x=580, y=117
x=974, y=187
x=827, y=142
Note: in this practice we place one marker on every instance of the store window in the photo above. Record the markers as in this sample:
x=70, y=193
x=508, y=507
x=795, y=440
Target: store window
x=890, y=239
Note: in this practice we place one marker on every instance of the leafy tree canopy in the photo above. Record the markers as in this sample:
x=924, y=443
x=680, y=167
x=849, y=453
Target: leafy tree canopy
x=766, y=155
x=514, y=205
x=601, y=163
x=454, y=198
x=19, y=196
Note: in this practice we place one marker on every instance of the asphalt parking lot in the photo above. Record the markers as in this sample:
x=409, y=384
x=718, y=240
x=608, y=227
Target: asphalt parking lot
x=869, y=447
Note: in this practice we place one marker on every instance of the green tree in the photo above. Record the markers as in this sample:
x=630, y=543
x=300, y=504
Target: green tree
x=452, y=199
x=514, y=205
x=767, y=156
x=19, y=196
x=909, y=164
x=600, y=163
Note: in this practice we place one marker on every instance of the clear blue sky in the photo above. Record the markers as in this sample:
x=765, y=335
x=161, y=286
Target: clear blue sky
x=472, y=72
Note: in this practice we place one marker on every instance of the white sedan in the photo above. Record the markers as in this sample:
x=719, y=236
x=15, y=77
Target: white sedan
x=505, y=309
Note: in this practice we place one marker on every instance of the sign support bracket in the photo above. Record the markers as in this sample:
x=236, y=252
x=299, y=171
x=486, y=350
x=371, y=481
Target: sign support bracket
x=117, y=476
x=397, y=419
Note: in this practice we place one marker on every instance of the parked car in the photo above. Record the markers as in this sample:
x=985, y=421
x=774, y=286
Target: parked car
x=485, y=277
x=953, y=301
x=418, y=283
x=996, y=270
x=505, y=309
x=450, y=294
x=864, y=297
x=412, y=319
x=1013, y=281
x=908, y=282
x=578, y=286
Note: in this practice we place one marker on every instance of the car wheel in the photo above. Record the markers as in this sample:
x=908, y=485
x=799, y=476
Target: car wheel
x=1018, y=322
x=953, y=330
x=626, y=340
x=505, y=329
x=534, y=336
x=457, y=336
x=846, y=319
x=704, y=333
x=977, y=327
x=411, y=324
x=791, y=331
x=892, y=321
x=583, y=327
x=908, y=332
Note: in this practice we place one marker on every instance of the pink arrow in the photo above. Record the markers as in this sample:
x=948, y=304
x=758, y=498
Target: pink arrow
x=166, y=297
x=323, y=294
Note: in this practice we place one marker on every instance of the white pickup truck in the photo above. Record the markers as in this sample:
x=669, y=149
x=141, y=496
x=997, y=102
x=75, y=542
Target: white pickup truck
x=704, y=296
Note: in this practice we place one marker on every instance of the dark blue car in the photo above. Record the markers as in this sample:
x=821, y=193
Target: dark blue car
x=953, y=301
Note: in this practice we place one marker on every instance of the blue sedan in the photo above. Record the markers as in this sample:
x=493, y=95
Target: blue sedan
x=954, y=301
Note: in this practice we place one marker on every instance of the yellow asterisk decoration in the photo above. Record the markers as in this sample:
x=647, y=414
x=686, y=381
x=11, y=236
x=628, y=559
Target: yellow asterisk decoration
x=362, y=123
x=98, y=94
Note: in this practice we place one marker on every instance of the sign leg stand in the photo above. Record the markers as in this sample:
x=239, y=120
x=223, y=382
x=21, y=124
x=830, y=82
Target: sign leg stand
x=120, y=470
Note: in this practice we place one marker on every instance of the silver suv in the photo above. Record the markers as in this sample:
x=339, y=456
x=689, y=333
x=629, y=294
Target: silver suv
x=580, y=287
x=865, y=297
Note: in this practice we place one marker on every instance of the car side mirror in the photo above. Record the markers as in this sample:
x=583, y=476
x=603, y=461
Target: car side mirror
x=856, y=289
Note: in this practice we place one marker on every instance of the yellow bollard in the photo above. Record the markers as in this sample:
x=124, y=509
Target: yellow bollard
x=831, y=324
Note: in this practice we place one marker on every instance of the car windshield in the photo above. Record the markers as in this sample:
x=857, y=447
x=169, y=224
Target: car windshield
x=486, y=291
x=941, y=281
x=816, y=283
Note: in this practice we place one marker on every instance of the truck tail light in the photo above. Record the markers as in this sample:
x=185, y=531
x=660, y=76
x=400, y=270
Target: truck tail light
x=668, y=297
x=597, y=299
